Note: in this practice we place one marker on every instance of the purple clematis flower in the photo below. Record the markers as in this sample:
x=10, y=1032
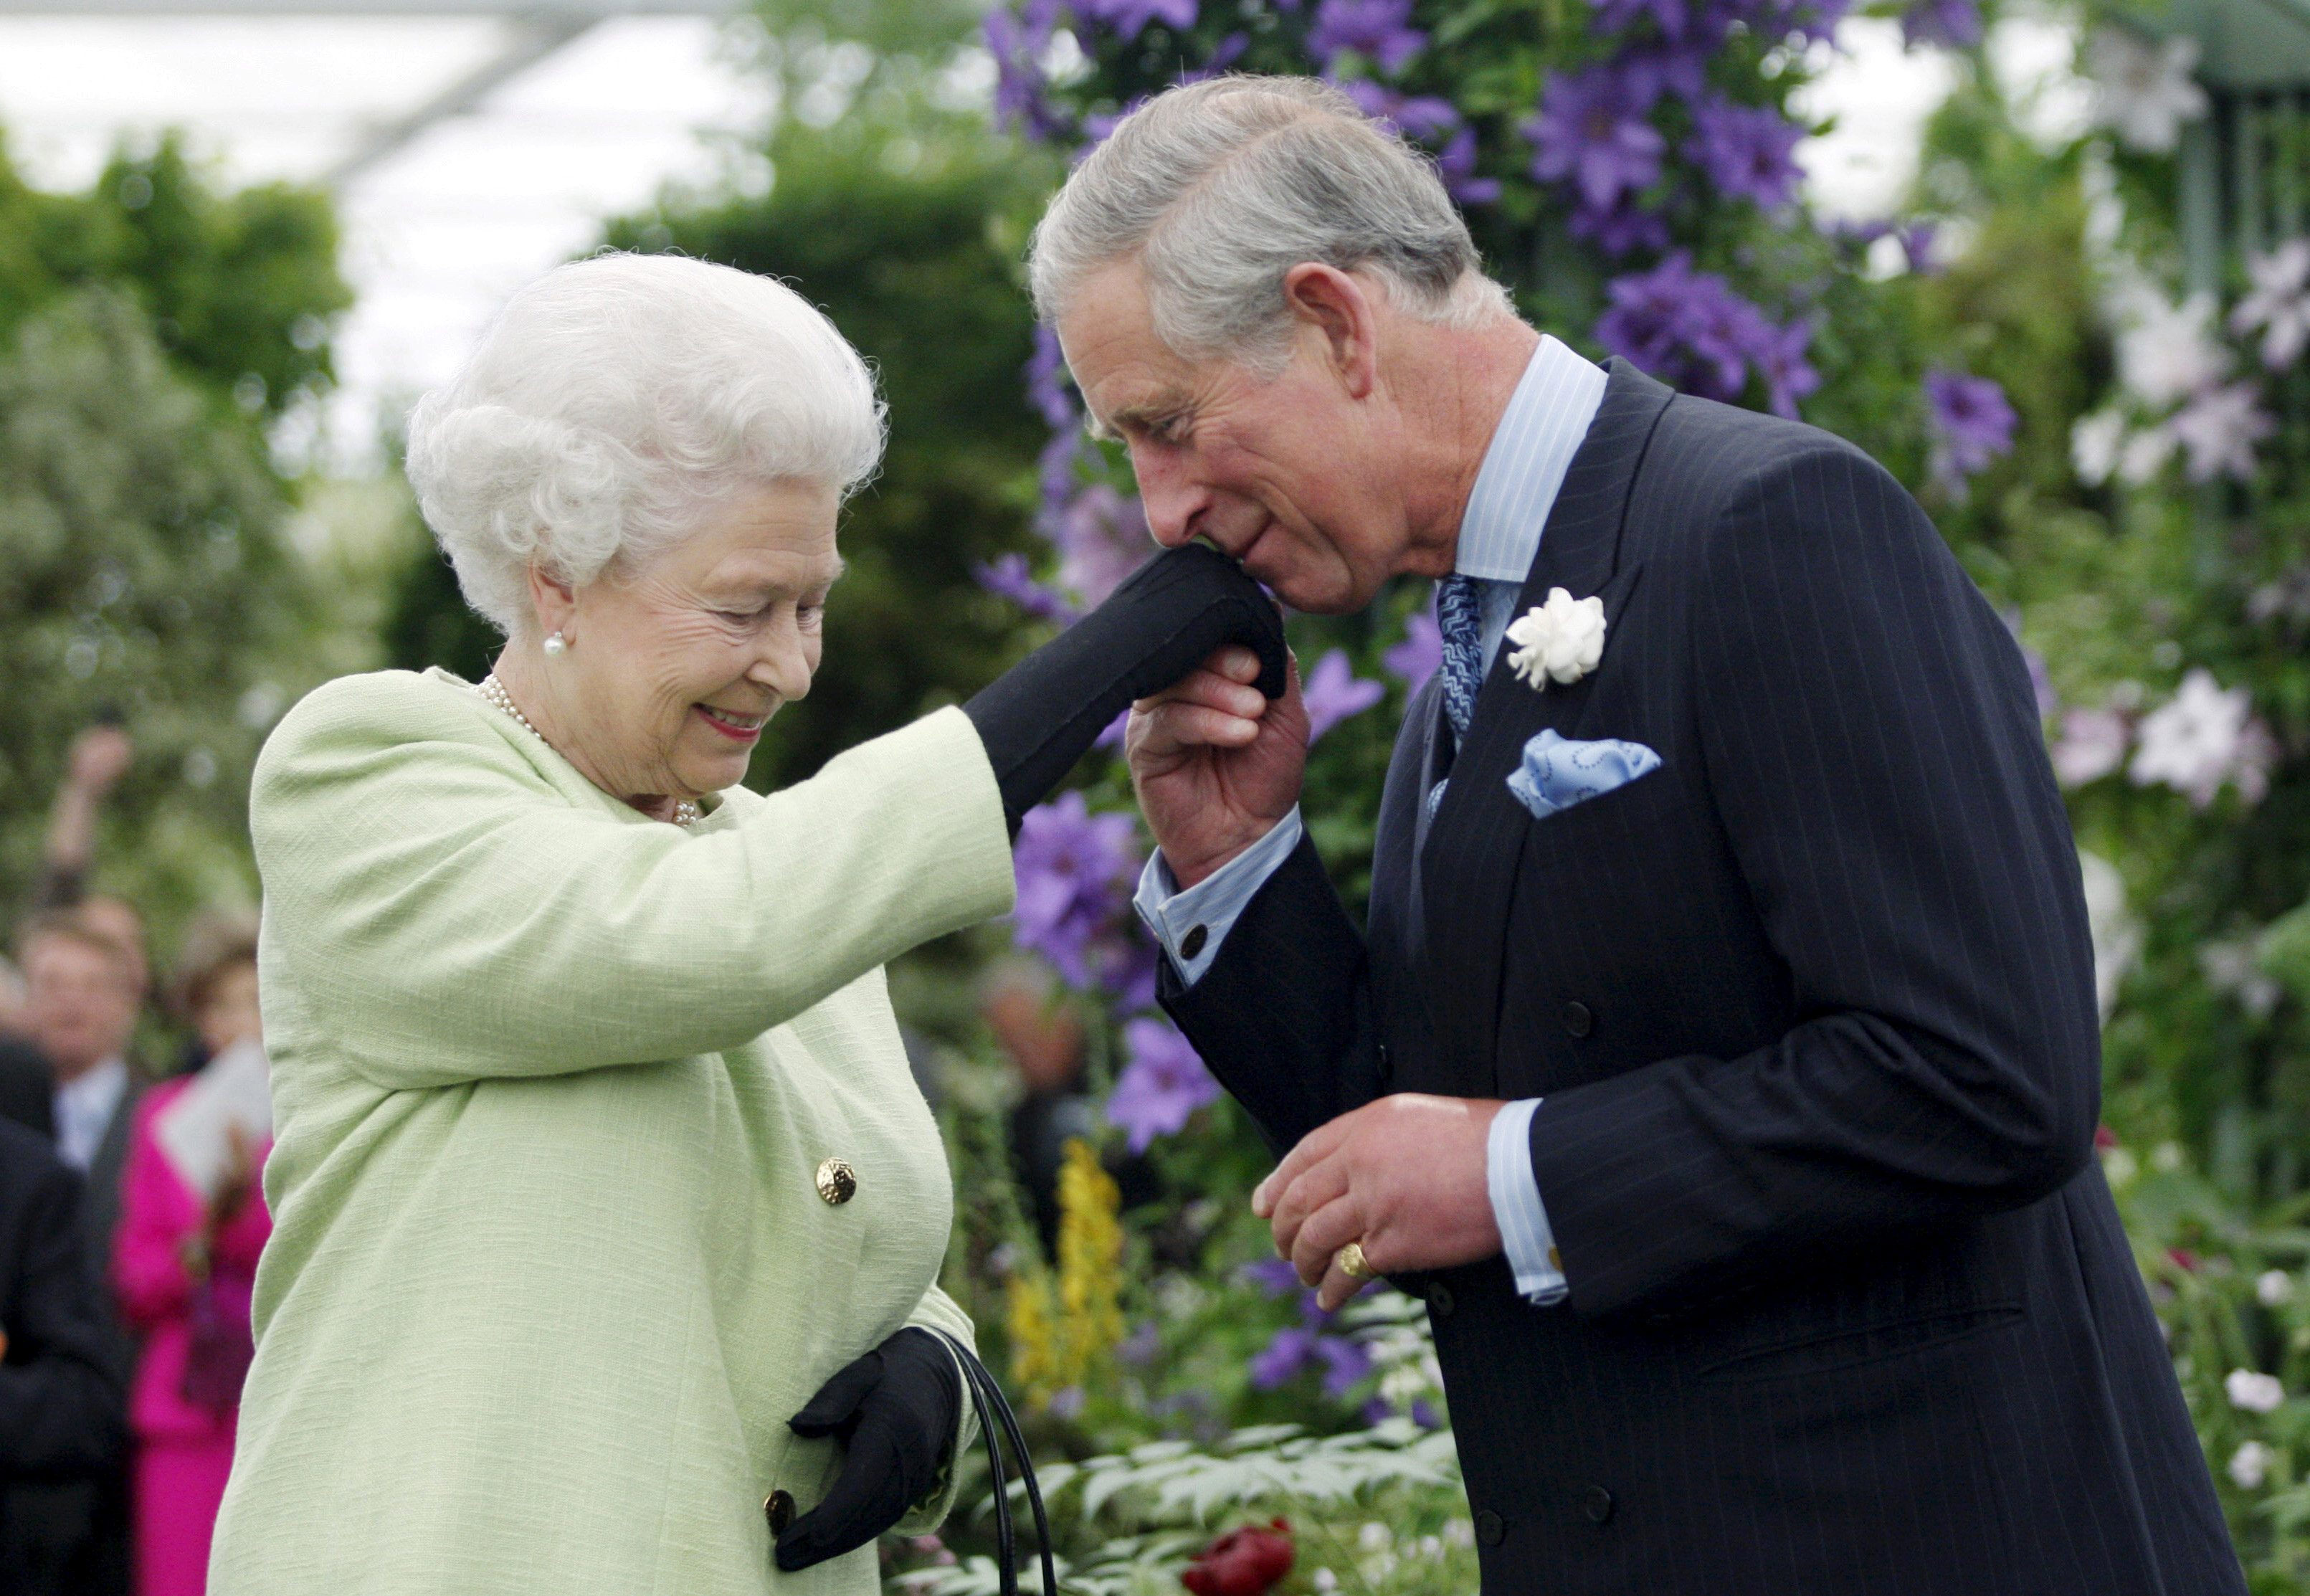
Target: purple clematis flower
x=1162, y=1086
x=1426, y=118
x=1781, y=362
x=1044, y=386
x=1332, y=692
x=1590, y=133
x=1283, y=1357
x=1075, y=871
x=1275, y=1275
x=1953, y=24
x=1746, y=151
x=1690, y=329
x=1346, y=1362
x=1618, y=231
x=1456, y=163
x=1017, y=40
x=1127, y=18
x=1379, y=30
x=1669, y=16
x=1102, y=538
x=1973, y=422
x=1420, y=656
x=1008, y=577
x=1650, y=73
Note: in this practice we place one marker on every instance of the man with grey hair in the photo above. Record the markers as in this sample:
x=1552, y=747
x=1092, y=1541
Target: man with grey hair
x=1720, y=1059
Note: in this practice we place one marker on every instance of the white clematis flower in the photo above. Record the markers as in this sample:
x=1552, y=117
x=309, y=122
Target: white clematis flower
x=2249, y=1465
x=2144, y=91
x=2166, y=353
x=2251, y=1391
x=2219, y=429
x=1560, y=641
x=2280, y=303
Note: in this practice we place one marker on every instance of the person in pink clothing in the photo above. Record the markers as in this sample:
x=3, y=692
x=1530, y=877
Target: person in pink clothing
x=184, y=1265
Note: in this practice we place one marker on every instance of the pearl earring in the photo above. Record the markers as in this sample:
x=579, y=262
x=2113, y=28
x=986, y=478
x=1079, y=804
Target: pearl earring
x=557, y=644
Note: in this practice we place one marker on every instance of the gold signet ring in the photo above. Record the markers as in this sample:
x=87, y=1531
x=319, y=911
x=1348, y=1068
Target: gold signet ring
x=1350, y=1259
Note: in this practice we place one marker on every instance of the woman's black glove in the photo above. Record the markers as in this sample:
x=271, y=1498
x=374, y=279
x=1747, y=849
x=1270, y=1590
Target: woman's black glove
x=1040, y=716
x=894, y=1411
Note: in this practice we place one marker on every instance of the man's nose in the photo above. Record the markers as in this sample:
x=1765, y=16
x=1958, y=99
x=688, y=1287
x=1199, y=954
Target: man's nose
x=1174, y=499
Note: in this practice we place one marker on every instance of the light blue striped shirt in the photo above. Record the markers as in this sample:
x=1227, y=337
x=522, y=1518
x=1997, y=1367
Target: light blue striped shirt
x=1531, y=448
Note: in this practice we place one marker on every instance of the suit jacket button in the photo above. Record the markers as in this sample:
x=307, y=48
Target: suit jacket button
x=1440, y=1301
x=1193, y=943
x=1578, y=1019
x=778, y=1508
x=837, y=1183
x=1596, y=1504
x=1386, y=1060
x=1490, y=1529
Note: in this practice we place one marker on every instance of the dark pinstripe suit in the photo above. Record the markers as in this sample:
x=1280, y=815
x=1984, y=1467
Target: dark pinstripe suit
x=1811, y=1010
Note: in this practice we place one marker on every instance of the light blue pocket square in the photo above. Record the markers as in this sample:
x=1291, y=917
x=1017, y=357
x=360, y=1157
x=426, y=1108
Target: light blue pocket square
x=1558, y=773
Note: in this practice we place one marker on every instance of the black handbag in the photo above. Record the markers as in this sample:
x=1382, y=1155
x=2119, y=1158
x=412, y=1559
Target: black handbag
x=986, y=1399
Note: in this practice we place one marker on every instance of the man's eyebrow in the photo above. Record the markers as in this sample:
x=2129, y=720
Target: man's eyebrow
x=1142, y=415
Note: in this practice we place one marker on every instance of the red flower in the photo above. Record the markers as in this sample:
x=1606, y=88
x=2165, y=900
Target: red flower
x=2105, y=1138
x=2184, y=1258
x=1246, y=1562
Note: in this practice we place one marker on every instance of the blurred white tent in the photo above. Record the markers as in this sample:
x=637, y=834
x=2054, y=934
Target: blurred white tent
x=473, y=142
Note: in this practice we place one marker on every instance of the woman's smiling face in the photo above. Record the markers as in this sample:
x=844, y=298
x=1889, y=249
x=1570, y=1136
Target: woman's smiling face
x=673, y=667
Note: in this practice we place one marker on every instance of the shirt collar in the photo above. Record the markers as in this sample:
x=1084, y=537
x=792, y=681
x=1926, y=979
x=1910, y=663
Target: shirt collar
x=85, y=1105
x=1541, y=430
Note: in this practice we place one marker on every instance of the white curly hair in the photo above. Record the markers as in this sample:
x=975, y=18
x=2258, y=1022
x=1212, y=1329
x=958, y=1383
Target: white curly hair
x=613, y=404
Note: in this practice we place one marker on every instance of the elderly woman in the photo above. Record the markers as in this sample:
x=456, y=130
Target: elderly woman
x=607, y=1215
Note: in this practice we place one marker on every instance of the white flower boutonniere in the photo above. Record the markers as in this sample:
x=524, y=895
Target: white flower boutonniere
x=1560, y=641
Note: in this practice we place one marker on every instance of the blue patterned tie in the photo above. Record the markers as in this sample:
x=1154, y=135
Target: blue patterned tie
x=1460, y=616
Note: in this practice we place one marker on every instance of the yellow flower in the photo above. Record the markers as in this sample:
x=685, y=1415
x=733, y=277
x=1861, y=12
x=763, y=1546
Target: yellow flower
x=1058, y=1338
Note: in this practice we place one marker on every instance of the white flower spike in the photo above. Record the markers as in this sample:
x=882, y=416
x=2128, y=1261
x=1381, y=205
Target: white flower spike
x=1560, y=641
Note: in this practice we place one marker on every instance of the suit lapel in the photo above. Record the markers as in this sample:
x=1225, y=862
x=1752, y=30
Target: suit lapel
x=1467, y=867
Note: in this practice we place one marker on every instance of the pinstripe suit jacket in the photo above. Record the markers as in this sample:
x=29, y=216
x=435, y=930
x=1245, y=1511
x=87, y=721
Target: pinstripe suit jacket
x=1811, y=1010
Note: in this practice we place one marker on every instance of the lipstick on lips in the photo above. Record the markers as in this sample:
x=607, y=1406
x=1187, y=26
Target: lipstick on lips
x=737, y=728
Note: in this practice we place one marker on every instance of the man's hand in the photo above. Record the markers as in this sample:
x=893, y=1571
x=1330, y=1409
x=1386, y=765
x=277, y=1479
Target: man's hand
x=1216, y=764
x=1405, y=1176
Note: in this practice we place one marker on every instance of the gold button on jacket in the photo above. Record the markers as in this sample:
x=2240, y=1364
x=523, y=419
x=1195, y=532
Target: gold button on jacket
x=837, y=1183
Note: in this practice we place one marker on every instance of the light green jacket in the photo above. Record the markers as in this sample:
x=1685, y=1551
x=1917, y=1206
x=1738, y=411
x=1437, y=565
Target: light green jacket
x=537, y=1308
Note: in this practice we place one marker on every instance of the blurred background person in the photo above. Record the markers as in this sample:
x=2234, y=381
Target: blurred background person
x=83, y=993
x=26, y=1093
x=192, y=1225
x=60, y=1400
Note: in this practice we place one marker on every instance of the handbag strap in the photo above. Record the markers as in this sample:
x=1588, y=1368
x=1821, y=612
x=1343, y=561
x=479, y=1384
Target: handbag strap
x=987, y=1398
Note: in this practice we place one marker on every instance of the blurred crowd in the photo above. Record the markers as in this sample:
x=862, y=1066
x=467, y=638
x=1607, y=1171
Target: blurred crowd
x=133, y=1128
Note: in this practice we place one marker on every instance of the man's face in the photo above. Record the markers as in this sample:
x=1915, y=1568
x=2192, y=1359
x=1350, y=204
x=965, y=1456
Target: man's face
x=1288, y=473
x=80, y=1004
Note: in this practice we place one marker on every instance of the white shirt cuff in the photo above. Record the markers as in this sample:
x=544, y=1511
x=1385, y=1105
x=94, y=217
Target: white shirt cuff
x=1192, y=924
x=1523, y=1219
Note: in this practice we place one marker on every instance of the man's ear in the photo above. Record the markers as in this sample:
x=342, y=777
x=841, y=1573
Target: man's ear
x=553, y=601
x=1344, y=308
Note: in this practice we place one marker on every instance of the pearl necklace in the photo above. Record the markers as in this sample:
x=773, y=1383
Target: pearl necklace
x=685, y=813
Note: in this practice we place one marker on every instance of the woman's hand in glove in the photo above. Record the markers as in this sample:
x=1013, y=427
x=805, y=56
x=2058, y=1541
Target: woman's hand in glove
x=894, y=1411
x=1040, y=716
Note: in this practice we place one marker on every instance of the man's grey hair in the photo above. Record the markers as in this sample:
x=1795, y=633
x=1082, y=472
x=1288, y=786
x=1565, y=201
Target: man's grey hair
x=613, y=405
x=1220, y=187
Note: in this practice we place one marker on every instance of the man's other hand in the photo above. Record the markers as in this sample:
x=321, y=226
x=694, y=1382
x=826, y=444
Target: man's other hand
x=1405, y=1176
x=1216, y=763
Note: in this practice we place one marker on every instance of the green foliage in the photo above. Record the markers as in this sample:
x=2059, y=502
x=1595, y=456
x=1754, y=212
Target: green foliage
x=150, y=328
x=238, y=286
x=143, y=574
